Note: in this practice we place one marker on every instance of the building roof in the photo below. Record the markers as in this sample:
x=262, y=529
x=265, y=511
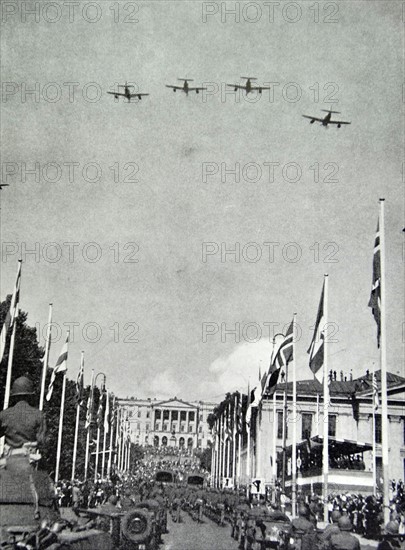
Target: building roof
x=343, y=388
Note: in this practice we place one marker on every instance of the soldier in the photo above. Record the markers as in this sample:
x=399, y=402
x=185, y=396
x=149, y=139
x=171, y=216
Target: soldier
x=388, y=541
x=303, y=529
x=344, y=540
x=22, y=424
x=330, y=530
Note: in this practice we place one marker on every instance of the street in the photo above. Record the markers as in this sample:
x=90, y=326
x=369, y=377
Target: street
x=190, y=535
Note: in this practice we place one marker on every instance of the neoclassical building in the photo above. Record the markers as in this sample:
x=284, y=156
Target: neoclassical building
x=169, y=423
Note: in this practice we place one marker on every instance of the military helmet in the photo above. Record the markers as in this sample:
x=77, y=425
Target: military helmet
x=345, y=524
x=21, y=386
x=336, y=515
x=392, y=528
x=303, y=511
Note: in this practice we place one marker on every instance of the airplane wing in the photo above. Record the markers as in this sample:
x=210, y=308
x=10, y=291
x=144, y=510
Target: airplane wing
x=174, y=87
x=138, y=95
x=313, y=118
x=116, y=94
x=338, y=122
x=196, y=89
x=238, y=86
x=260, y=88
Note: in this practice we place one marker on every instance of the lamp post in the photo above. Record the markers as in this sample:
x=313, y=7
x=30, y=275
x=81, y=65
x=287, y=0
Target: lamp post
x=98, y=426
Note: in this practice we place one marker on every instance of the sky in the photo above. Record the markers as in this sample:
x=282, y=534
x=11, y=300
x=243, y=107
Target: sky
x=156, y=194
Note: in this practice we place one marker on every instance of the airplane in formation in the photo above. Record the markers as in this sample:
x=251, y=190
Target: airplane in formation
x=4, y=185
x=327, y=119
x=127, y=93
x=248, y=87
x=185, y=88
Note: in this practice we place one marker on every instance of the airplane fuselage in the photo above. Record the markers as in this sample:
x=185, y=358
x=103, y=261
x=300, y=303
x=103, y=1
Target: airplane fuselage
x=326, y=120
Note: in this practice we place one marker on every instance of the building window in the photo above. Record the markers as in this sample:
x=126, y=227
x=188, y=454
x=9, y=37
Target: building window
x=175, y=415
x=139, y=413
x=200, y=429
x=165, y=427
x=147, y=414
x=378, y=428
x=164, y=441
x=306, y=425
x=130, y=413
x=190, y=428
x=158, y=414
x=156, y=426
x=201, y=417
x=181, y=442
x=165, y=414
x=190, y=442
x=183, y=415
x=138, y=426
x=332, y=425
x=182, y=428
x=156, y=441
x=191, y=416
x=280, y=416
x=174, y=427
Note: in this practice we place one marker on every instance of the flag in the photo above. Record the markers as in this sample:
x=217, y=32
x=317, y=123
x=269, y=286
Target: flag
x=316, y=349
x=239, y=424
x=61, y=366
x=376, y=401
x=281, y=359
x=228, y=431
x=375, y=296
x=100, y=415
x=88, y=412
x=251, y=403
x=80, y=382
x=107, y=414
x=12, y=313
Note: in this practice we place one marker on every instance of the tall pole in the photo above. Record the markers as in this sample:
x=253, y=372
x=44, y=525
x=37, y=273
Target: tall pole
x=384, y=398
x=234, y=442
x=14, y=305
x=105, y=424
x=111, y=440
x=59, y=447
x=285, y=428
x=46, y=359
x=76, y=429
x=117, y=459
x=373, y=435
x=89, y=413
x=223, y=474
x=228, y=443
x=325, y=454
x=97, y=453
x=275, y=428
x=294, y=426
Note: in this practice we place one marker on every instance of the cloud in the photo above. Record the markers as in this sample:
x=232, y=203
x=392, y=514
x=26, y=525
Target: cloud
x=234, y=371
x=164, y=385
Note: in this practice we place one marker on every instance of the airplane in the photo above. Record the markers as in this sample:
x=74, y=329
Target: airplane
x=185, y=88
x=327, y=119
x=127, y=92
x=248, y=87
x=4, y=185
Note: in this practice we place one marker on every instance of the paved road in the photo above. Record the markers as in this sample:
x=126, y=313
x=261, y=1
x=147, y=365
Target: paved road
x=189, y=535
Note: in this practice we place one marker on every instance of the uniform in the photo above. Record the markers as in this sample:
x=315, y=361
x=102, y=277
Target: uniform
x=344, y=541
x=22, y=424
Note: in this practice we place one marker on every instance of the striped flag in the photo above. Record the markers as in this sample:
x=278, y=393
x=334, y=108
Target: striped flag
x=239, y=424
x=100, y=415
x=316, y=349
x=61, y=366
x=12, y=313
x=80, y=382
x=376, y=401
x=281, y=359
x=375, y=296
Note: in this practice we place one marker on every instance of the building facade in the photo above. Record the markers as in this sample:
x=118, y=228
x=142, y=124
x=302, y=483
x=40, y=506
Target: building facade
x=169, y=423
x=352, y=419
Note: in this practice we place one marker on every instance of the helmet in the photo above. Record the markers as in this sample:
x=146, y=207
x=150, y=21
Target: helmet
x=392, y=528
x=22, y=386
x=336, y=515
x=303, y=511
x=345, y=524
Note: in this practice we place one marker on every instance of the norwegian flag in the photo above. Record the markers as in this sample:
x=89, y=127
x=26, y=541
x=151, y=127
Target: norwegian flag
x=316, y=349
x=281, y=359
x=80, y=382
x=60, y=367
x=375, y=296
x=376, y=400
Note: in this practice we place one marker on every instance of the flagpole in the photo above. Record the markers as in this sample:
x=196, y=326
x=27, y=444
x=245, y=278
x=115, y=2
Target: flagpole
x=325, y=455
x=374, y=441
x=384, y=397
x=228, y=444
x=239, y=439
x=248, y=440
x=61, y=413
x=46, y=358
x=104, y=437
x=76, y=430
x=97, y=451
x=234, y=443
x=223, y=449
x=16, y=296
x=89, y=417
x=294, y=427
x=117, y=457
x=111, y=440
x=274, y=442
